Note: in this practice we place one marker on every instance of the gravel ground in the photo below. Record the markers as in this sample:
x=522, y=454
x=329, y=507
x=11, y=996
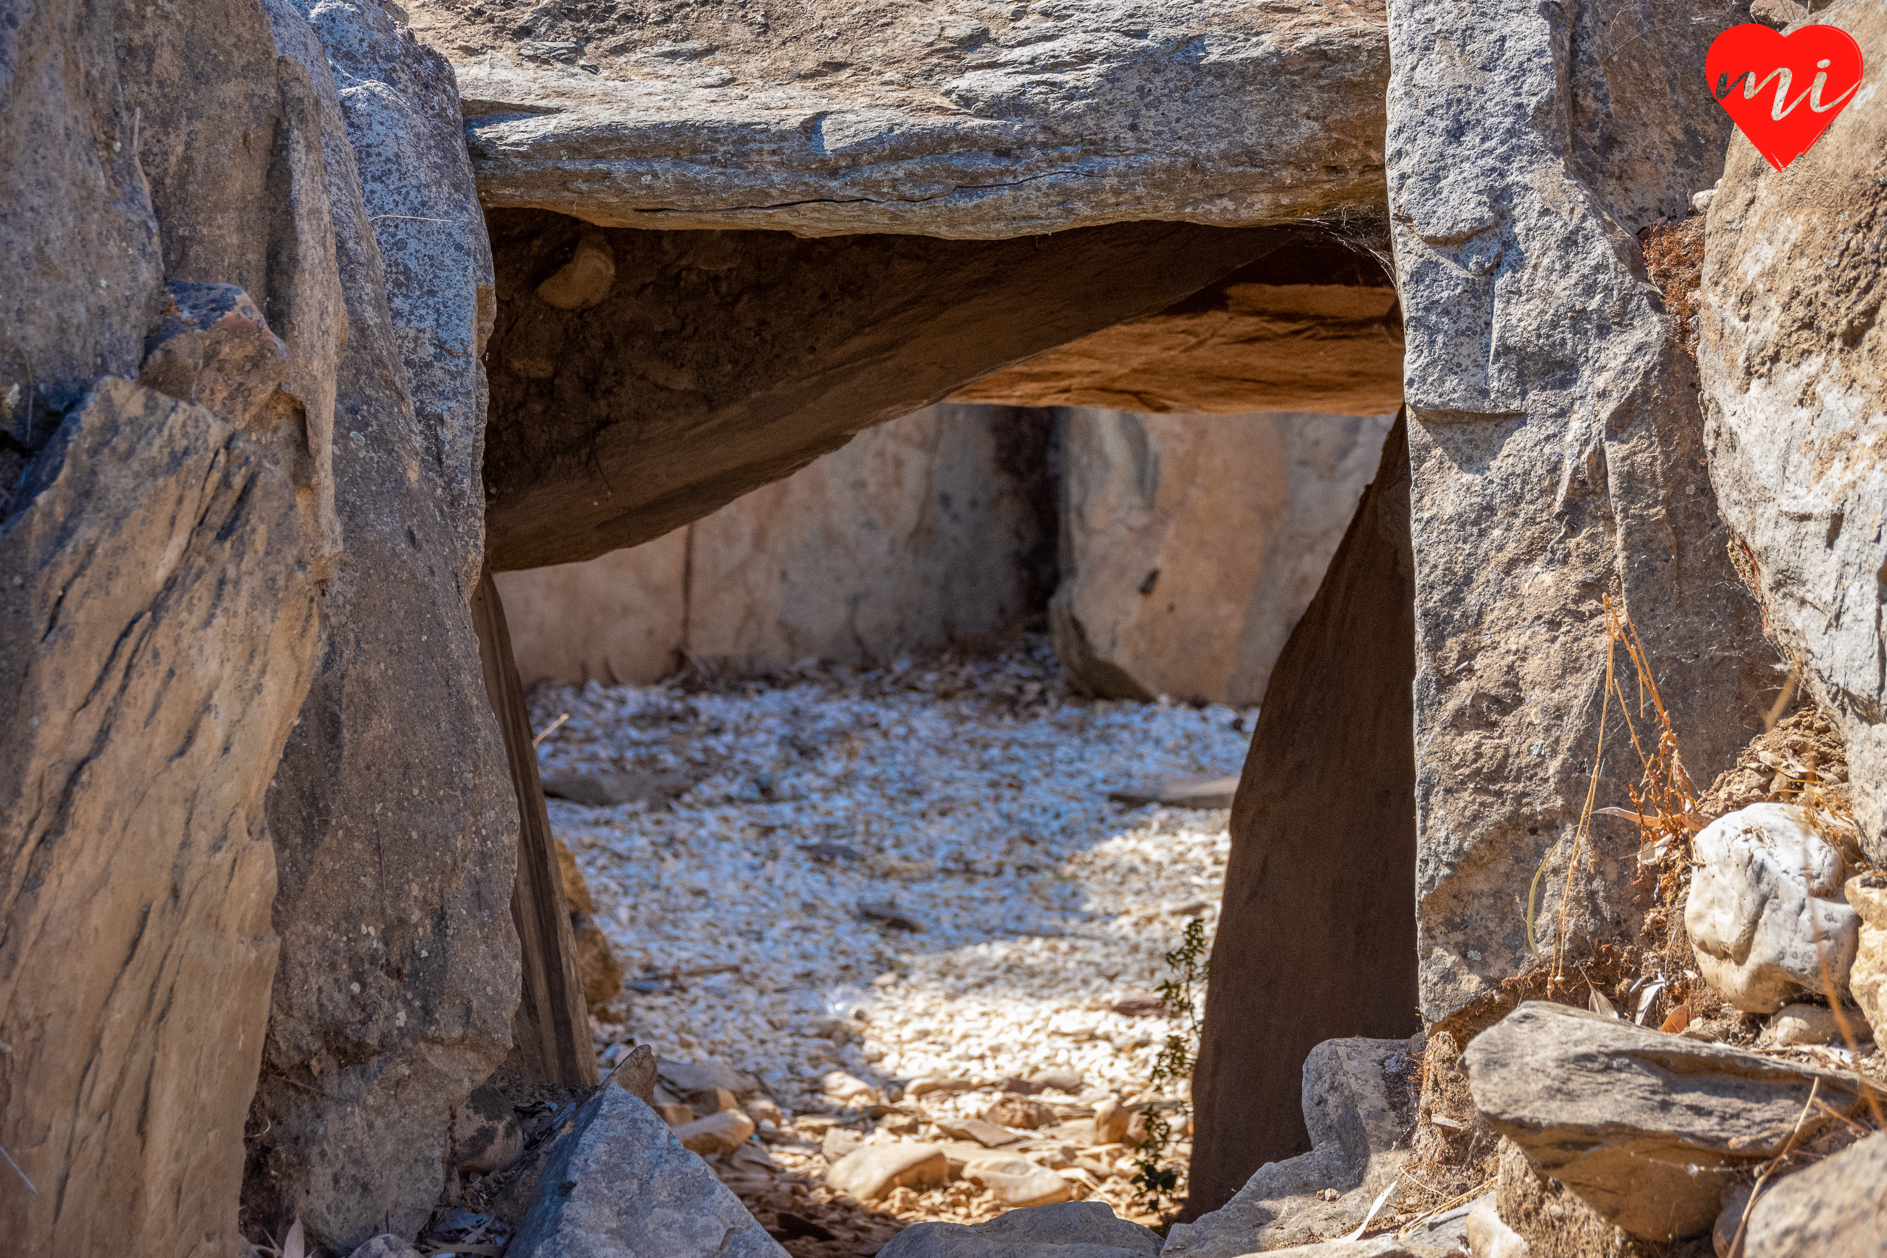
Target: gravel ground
x=903, y=873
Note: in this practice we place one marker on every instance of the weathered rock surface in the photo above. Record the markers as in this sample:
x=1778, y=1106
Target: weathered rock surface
x=1534, y=1209
x=214, y=348
x=1765, y=914
x=974, y=122
x=1143, y=608
x=1073, y=1229
x=1318, y=332
x=486, y=1136
x=1557, y=453
x=1793, y=358
x=601, y=971
x=1015, y=1181
x=393, y=814
x=869, y=1173
x=157, y=634
x=720, y=361
x=721, y=1132
x=620, y=1183
x=1358, y=1107
x=1647, y=1128
x=934, y=528
x=1306, y=815
x=1834, y=1209
x=1867, y=980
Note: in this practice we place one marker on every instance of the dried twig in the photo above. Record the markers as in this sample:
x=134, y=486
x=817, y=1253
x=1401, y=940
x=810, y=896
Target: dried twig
x=550, y=729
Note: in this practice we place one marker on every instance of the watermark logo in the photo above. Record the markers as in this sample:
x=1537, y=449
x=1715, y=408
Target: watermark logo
x=1783, y=91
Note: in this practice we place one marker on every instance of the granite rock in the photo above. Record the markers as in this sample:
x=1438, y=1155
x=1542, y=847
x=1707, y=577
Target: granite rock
x=1558, y=458
x=1793, y=359
x=1833, y=1209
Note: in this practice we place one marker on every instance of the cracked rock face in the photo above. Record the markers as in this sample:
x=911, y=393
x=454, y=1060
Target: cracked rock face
x=1558, y=458
x=1793, y=357
x=965, y=120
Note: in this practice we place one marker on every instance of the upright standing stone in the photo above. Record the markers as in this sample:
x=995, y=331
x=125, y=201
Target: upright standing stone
x=393, y=813
x=1323, y=855
x=1557, y=454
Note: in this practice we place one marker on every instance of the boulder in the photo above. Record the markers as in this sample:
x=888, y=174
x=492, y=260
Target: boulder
x=1558, y=460
x=157, y=634
x=1793, y=357
x=869, y=1173
x=1833, y=1209
x=997, y=123
x=619, y=1182
x=1318, y=332
x=393, y=813
x=1359, y=1109
x=615, y=424
x=1013, y=1180
x=1868, y=978
x=1764, y=912
x=1142, y=608
x=1647, y=1128
x=1310, y=812
x=1077, y=1229
x=935, y=528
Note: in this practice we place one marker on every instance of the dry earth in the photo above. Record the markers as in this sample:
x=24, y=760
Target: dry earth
x=906, y=874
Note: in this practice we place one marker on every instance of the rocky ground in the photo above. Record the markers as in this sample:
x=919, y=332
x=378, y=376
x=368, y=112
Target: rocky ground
x=888, y=894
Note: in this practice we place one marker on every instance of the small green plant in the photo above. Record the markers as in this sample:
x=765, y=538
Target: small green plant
x=1157, y=1182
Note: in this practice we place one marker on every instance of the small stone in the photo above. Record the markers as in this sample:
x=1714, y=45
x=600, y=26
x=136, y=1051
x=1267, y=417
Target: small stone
x=1111, y=1120
x=1194, y=792
x=675, y=1113
x=1068, y=1081
x=937, y=1083
x=486, y=1136
x=891, y=915
x=1488, y=1237
x=870, y=1173
x=586, y=278
x=900, y=1124
x=847, y=1089
x=1014, y=1180
x=763, y=1111
x=1019, y=1112
x=1140, y=1005
x=989, y=1135
x=717, y=1133
x=1868, y=979
x=839, y=1142
x=1803, y=1024
x=1763, y=911
x=385, y=1245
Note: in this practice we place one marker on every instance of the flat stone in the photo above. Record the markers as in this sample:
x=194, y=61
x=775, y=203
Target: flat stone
x=1066, y=116
x=1077, y=1229
x=1804, y=1024
x=686, y=1078
x=1020, y=1113
x=987, y=1134
x=1765, y=910
x=606, y=790
x=1833, y=1209
x=620, y=1182
x=1014, y=1180
x=1194, y=792
x=721, y=1132
x=871, y=1172
x=937, y=1083
x=1647, y=1128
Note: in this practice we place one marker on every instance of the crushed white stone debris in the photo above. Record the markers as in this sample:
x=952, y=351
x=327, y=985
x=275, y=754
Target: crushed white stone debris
x=899, y=873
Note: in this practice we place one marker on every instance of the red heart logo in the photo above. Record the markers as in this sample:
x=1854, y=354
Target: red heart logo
x=1783, y=91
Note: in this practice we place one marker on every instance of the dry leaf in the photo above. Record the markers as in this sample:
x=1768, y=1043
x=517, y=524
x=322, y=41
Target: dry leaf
x=1600, y=1004
x=296, y=1246
x=1678, y=1020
